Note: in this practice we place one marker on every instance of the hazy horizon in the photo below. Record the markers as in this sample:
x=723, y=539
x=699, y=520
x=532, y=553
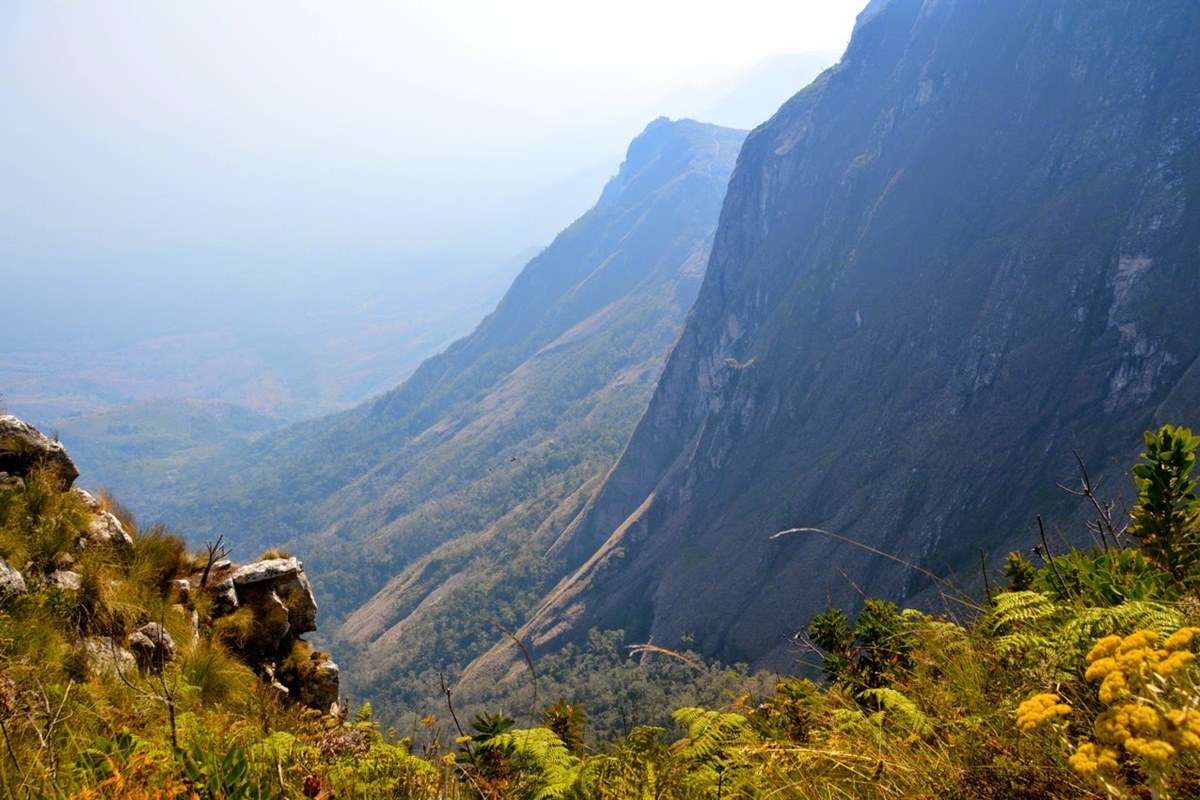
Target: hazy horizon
x=266, y=172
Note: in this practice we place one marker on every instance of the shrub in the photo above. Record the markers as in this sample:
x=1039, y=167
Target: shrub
x=1166, y=517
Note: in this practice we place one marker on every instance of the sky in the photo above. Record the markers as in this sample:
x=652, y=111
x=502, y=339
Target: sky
x=135, y=126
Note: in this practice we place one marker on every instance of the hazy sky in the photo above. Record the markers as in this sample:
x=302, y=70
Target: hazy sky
x=131, y=127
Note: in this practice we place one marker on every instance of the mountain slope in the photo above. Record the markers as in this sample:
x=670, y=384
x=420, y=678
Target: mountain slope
x=401, y=505
x=969, y=247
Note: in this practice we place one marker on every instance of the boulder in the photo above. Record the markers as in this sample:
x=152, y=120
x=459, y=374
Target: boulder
x=106, y=657
x=23, y=447
x=106, y=528
x=225, y=599
x=12, y=582
x=152, y=647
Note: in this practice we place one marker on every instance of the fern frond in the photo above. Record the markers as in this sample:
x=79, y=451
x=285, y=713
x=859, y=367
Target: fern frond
x=1012, y=611
x=899, y=707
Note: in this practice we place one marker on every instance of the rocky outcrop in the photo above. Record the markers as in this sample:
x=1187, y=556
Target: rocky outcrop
x=269, y=602
x=23, y=448
x=282, y=582
x=276, y=603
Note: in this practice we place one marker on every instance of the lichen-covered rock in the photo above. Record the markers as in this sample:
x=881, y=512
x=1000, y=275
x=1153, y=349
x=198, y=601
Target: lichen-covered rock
x=152, y=647
x=267, y=570
x=105, y=657
x=67, y=580
x=12, y=582
x=23, y=447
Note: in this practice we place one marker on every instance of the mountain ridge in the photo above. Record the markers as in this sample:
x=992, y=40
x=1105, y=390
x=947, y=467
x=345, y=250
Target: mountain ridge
x=967, y=242
x=403, y=502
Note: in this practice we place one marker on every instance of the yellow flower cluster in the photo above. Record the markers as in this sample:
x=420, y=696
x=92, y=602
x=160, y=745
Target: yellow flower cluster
x=1038, y=709
x=1116, y=661
x=1137, y=677
x=1092, y=759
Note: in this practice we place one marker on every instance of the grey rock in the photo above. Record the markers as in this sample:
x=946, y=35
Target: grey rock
x=287, y=583
x=272, y=624
x=66, y=580
x=11, y=581
x=23, y=447
x=267, y=570
x=106, y=657
x=88, y=499
x=152, y=647
x=224, y=596
x=106, y=528
x=103, y=527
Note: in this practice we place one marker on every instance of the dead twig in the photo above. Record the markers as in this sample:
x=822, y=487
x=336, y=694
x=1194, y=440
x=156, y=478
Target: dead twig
x=214, y=552
x=528, y=662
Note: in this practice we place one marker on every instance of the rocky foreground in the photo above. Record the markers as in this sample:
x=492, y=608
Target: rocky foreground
x=261, y=609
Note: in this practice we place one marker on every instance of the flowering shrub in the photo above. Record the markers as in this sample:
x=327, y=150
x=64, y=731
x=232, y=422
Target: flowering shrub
x=1150, y=689
x=1039, y=709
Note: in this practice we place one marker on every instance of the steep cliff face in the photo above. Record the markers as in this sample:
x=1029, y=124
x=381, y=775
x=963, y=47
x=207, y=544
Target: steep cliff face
x=426, y=513
x=969, y=247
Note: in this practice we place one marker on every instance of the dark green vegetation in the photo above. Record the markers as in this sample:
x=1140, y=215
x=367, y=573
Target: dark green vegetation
x=440, y=499
x=1079, y=679
x=140, y=449
x=967, y=249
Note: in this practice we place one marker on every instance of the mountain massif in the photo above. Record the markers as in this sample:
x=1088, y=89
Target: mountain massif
x=438, y=500
x=965, y=250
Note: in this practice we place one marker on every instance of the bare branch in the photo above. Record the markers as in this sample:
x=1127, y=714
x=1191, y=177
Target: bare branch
x=963, y=597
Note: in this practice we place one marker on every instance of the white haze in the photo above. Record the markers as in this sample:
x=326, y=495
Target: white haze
x=242, y=167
